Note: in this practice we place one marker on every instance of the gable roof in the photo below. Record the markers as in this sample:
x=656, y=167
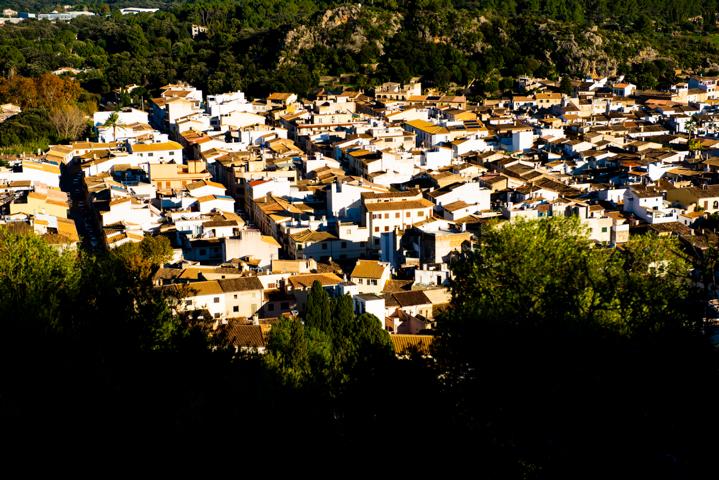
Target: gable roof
x=205, y=183
x=306, y=280
x=244, y=336
x=209, y=287
x=311, y=236
x=406, y=299
x=156, y=147
x=241, y=284
x=368, y=269
x=401, y=205
x=403, y=344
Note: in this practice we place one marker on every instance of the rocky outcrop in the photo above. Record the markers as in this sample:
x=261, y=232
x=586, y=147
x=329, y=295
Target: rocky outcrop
x=347, y=28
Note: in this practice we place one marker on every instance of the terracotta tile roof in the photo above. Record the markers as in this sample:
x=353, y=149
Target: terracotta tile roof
x=427, y=127
x=404, y=344
x=378, y=195
x=205, y=183
x=411, y=204
x=306, y=280
x=156, y=147
x=406, y=299
x=270, y=240
x=393, y=286
x=311, y=236
x=242, y=335
x=279, y=96
x=219, y=223
x=241, y=284
x=211, y=287
x=368, y=269
x=459, y=204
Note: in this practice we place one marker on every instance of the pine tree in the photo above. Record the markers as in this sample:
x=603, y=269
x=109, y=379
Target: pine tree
x=319, y=309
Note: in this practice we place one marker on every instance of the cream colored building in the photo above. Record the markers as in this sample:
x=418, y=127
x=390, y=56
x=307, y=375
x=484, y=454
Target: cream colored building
x=691, y=198
x=386, y=212
x=170, y=176
x=53, y=202
x=370, y=275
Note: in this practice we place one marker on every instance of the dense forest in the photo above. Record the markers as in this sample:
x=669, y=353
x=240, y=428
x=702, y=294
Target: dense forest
x=262, y=45
x=554, y=357
x=477, y=48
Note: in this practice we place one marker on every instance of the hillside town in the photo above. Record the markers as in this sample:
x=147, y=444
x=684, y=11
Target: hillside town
x=371, y=194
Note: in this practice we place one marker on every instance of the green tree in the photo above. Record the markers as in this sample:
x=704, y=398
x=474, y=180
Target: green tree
x=112, y=122
x=343, y=315
x=565, y=85
x=539, y=311
x=298, y=355
x=37, y=283
x=318, y=313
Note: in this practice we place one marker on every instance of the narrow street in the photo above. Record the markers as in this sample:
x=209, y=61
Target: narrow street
x=88, y=227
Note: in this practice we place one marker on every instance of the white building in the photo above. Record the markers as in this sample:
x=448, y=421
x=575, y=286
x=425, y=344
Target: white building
x=522, y=140
x=649, y=205
x=370, y=303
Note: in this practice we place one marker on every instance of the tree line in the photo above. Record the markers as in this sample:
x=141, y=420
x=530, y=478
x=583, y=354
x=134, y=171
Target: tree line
x=450, y=43
x=54, y=109
x=554, y=355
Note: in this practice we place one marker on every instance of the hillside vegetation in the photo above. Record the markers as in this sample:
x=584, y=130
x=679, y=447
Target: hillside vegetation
x=263, y=45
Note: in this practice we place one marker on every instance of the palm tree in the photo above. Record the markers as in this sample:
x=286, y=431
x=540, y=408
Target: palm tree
x=112, y=121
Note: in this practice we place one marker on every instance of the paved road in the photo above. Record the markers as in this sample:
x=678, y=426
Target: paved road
x=83, y=214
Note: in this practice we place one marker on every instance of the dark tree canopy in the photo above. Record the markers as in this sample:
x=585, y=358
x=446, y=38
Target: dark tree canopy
x=561, y=354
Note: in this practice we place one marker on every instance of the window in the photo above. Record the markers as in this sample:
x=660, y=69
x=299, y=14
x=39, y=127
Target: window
x=716, y=204
x=324, y=245
x=373, y=282
x=386, y=215
x=217, y=315
x=172, y=153
x=407, y=214
x=236, y=308
x=188, y=303
x=217, y=299
x=271, y=285
x=604, y=229
x=376, y=229
x=386, y=228
x=299, y=247
x=235, y=294
x=420, y=213
x=396, y=215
